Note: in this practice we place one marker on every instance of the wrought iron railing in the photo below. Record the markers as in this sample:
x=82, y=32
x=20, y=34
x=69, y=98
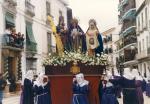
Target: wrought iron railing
x=16, y=40
x=31, y=46
x=130, y=39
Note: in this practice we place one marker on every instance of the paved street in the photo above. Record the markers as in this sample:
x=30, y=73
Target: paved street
x=146, y=100
x=15, y=100
x=11, y=100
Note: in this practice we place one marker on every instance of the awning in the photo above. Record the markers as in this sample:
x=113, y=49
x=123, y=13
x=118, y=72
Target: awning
x=9, y=18
x=29, y=32
x=31, y=43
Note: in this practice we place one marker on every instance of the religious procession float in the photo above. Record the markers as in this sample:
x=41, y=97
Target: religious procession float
x=76, y=52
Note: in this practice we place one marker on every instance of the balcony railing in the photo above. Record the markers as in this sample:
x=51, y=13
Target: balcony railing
x=108, y=50
x=130, y=55
x=130, y=39
x=124, y=2
x=13, y=41
x=31, y=46
x=130, y=14
x=119, y=7
x=142, y=54
x=127, y=25
x=13, y=2
x=107, y=39
x=121, y=4
x=131, y=29
x=29, y=8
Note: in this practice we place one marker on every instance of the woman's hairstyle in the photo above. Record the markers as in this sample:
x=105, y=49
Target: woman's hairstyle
x=92, y=21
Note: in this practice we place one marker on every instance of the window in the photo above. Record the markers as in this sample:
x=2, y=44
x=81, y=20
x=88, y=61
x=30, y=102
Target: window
x=142, y=20
x=147, y=42
x=49, y=42
x=31, y=44
x=146, y=17
x=48, y=8
x=9, y=20
x=143, y=44
x=31, y=64
x=139, y=47
x=138, y=23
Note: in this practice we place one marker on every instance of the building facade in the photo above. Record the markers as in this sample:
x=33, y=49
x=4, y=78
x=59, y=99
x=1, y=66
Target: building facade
x=110, y=36
x=127, y=44
x=29, y=17
x=143, y=36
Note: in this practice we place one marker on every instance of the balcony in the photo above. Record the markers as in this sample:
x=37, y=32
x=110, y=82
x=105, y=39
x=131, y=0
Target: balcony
x=142, y=55
x=108, y=50
x=130, y=55
x=120, y=7
x=130, y=40
x=11, y=2
x=122, y=3
x=29, y=8
x=127, y=24
x=131, y=29
x=129, y=15
x=31, y=47
x=13, y=42
x=107, y=39
x=125, y=2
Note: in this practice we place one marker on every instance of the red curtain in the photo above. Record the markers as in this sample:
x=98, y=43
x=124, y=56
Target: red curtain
x=61, y=89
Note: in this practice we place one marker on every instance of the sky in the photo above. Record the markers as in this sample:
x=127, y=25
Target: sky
x=105, y=12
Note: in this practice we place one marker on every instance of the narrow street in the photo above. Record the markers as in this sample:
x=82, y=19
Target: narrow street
x=71, y=51
x=11, y=100
x=15, y=100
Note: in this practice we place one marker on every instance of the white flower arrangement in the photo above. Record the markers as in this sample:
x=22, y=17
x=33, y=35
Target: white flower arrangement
x=55, y=60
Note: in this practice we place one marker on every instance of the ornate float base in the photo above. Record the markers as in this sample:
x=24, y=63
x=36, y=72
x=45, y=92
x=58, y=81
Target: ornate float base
x=61, y=82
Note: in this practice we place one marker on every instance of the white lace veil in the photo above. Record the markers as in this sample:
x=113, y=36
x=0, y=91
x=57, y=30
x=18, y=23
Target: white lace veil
x=136, y=74
x=29, y=75
x=127, y=74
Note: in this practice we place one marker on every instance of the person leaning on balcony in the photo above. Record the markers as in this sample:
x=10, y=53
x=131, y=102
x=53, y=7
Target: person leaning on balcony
x=2, y=87
x=6, y=36
x=12, y=37
x=19, y=40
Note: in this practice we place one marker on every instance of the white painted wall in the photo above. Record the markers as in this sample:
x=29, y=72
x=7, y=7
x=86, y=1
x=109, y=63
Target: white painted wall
x=115, y=37
x=144, y=35
x=39, y=25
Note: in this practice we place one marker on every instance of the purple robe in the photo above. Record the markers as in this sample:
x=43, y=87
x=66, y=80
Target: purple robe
x=117, y=87
x=139, y=91
x=108, y=96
